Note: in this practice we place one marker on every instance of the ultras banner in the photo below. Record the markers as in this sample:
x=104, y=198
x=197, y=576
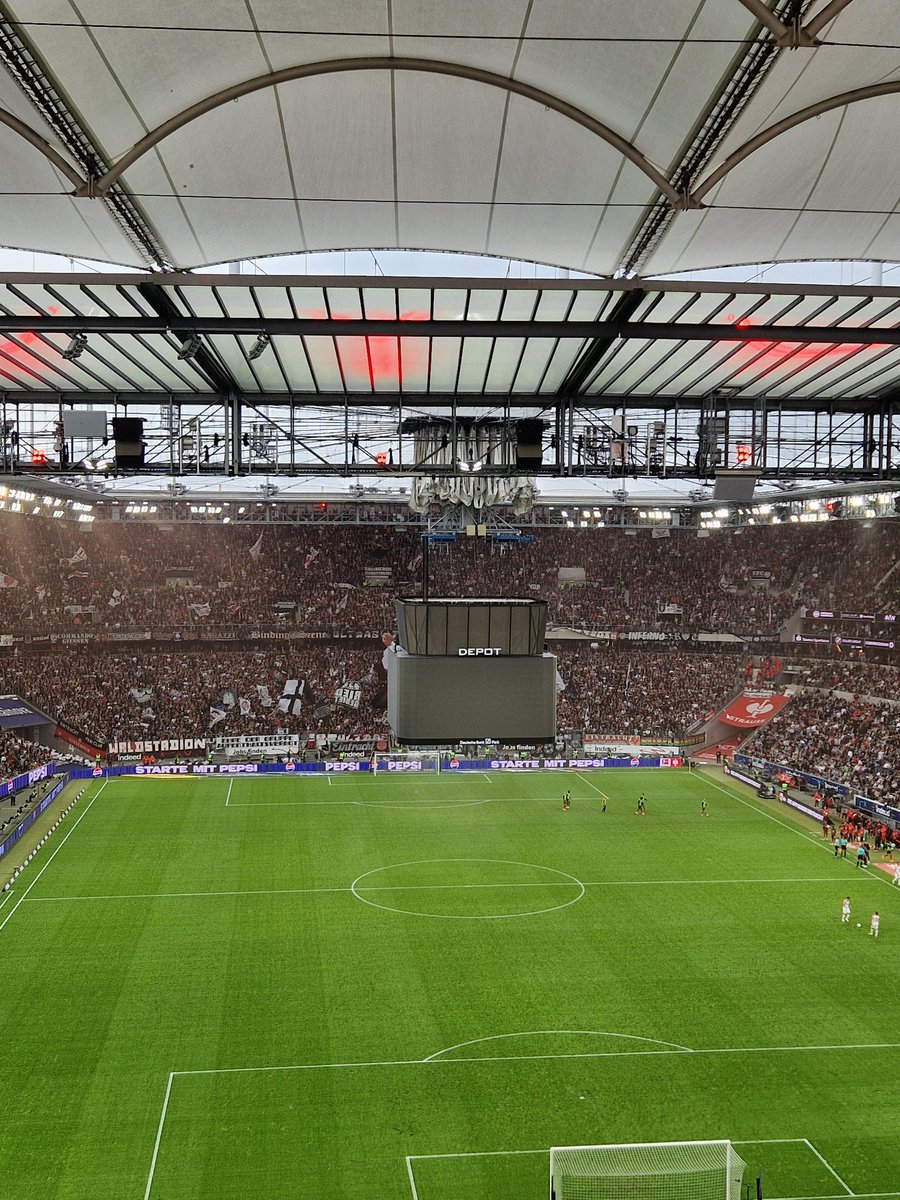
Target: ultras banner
x=749, y=710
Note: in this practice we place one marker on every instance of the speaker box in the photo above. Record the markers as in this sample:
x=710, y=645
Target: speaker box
x=129, y=449
x=529, y=434
x=736, y=485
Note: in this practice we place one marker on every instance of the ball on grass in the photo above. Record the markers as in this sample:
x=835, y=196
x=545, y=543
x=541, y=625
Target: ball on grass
x=859, y=924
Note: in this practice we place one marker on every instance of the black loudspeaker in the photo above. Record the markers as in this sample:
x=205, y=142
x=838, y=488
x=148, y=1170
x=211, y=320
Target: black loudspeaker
x=529, y=434
x=129, y=448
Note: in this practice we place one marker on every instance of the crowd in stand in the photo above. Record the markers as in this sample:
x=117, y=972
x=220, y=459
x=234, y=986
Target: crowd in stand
x=138, y=695
x=858, y=678
x=18, y=755
x=843, y=740
x=183, y=580
x=116, y=575
x=633, y=692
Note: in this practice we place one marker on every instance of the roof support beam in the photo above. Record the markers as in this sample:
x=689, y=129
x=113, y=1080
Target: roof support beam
x=795, y=35
x=385, y=63
x=25, y=131
x=816, y=24
x=870, y=335
x=593, y=354
x=870, y=92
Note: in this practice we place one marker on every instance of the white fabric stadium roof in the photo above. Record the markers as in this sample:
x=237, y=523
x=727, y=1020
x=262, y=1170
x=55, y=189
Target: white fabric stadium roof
x=546, y=130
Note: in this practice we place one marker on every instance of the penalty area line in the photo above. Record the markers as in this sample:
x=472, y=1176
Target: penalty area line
x=159, y=1132
x=827, y=1165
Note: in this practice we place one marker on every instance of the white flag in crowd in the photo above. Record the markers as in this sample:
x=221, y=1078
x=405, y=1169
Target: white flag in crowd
x=265, y=697
x=216, y=715
x=229, y=699
x=40, y=591
x=310, y=558
x=292, y=696
x=560, y=686
x=80, y=556
x=7, y=581
x=349, y=694
x=256, y=549
x=116, y=598
x=342, y=603
x=244, y=706
x=661, y=530
x=200, y=610
x=142, y=695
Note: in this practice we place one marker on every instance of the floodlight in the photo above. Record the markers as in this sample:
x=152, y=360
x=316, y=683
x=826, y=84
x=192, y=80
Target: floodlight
x=75, y=347
x=190, y=346
x=259, y=347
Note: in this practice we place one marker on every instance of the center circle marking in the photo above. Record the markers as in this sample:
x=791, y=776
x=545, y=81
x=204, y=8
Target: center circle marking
x=357, y=887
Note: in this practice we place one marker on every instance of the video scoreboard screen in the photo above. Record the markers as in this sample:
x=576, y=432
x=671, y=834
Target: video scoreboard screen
x=471, y=669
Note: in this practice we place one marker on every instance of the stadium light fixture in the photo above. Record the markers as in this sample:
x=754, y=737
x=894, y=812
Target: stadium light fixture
x=189, y=347
x=76, y=347
x=259, y=347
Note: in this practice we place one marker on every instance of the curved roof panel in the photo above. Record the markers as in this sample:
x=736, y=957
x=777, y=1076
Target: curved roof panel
x=561, y=132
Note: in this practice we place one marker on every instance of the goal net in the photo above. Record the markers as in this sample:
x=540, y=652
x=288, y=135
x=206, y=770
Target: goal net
x=647, y=1171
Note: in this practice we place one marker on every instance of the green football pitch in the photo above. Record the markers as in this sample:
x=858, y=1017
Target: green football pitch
x=408, y=987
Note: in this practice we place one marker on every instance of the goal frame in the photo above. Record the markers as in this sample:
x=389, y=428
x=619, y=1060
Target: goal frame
x=726, y=1143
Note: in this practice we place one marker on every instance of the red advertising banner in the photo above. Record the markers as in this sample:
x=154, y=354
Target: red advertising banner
x=748, y=711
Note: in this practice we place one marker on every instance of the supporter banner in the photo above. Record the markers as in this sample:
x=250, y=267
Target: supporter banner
x=186, y=745
x=14, y=712
x=748, y=711
x=76, y=742
x=667, y=636
x=225, y=633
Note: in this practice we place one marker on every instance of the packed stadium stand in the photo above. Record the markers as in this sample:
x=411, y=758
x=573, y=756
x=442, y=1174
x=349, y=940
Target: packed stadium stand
x=18, y=754
x=746, y=581
x=845, y=740
x=253, y=613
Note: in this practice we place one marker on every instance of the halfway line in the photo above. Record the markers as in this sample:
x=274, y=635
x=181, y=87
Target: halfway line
x=436, y=1062
x=425, y=887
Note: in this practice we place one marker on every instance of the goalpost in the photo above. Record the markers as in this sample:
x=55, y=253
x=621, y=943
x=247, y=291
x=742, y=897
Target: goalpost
x=647, y=1171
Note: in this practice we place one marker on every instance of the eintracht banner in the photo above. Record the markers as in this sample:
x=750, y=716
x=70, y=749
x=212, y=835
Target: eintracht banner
x=747, y=711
